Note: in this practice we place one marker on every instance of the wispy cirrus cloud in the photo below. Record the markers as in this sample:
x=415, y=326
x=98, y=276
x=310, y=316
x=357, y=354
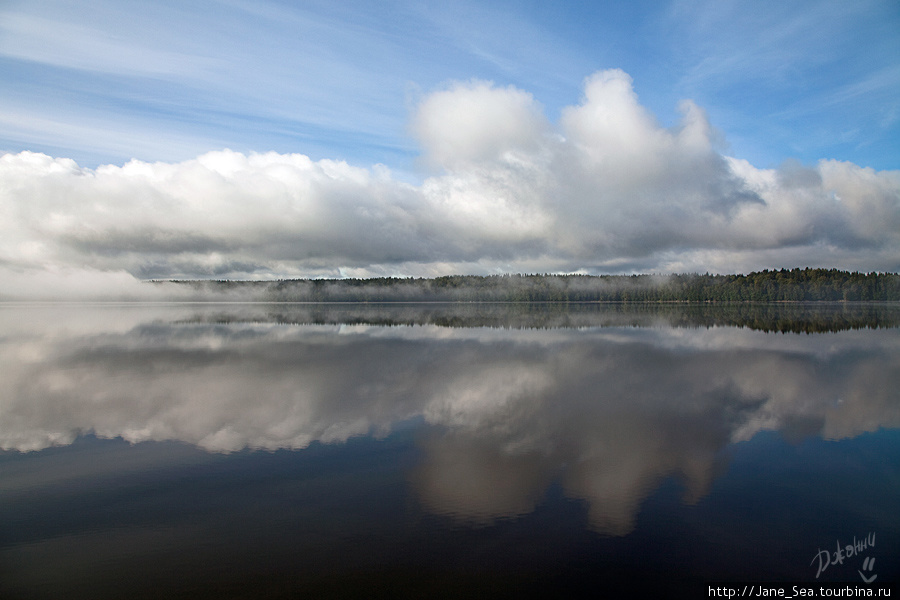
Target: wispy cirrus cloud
x=335, y=80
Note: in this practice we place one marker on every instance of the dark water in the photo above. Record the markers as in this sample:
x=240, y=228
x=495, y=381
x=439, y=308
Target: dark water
x=444, y=451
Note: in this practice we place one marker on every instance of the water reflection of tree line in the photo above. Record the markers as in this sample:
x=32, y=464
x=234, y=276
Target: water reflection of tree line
x=768, y=317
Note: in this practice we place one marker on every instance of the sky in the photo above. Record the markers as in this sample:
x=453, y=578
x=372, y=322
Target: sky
x=266, y=139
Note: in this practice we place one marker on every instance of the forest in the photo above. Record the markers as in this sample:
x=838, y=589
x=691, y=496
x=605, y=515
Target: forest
x=794, y=285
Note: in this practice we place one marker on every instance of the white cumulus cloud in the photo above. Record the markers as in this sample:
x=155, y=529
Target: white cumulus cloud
x=607, y=188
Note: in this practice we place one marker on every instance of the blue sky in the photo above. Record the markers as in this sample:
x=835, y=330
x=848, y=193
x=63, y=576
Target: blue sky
x=421, y=138
x=104, y=82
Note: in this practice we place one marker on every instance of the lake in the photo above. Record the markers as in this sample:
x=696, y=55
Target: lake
x=302, y=450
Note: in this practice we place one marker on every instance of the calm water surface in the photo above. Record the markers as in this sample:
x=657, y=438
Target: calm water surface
x=439, y=451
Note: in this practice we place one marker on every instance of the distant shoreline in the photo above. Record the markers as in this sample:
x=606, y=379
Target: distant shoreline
x=782, y=286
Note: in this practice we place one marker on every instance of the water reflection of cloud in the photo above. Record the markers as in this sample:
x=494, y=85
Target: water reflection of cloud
x=609, y=413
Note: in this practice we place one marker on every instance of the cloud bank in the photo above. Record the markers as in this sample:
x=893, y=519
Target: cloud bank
x=605, y=189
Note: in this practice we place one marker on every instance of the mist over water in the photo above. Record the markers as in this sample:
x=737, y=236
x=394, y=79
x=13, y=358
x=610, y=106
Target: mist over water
x=471, y=419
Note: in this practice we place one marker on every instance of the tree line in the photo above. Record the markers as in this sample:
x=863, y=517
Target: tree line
x=794, y=285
